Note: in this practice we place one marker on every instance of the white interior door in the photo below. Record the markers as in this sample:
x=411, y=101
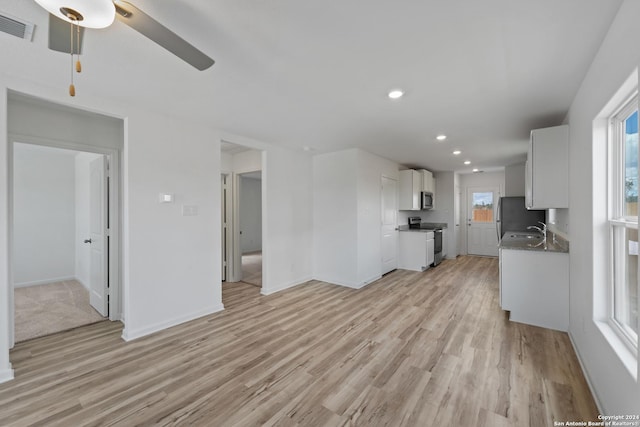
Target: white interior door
x=98, y=282
x=223, y=222
x=389, y=224
x=481, y=220
x=456, y=222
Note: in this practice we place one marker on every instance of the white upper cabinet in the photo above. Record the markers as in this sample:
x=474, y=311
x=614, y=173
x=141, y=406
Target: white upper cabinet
x=410, y=188
x=427, y=181
x=547, y=169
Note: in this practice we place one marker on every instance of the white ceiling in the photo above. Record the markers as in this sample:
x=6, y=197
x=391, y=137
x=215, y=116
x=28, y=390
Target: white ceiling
x=316, y=74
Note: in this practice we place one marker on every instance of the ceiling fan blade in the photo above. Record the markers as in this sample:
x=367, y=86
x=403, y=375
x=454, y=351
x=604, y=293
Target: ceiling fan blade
x=155, y=31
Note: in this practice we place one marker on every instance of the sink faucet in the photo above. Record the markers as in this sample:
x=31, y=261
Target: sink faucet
x=542, y=230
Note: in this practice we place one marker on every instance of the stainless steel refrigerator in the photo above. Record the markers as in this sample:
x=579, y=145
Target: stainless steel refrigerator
x=514, y=216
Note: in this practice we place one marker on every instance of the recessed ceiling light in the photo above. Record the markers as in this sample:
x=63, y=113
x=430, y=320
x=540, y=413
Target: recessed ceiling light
x=475, y=170
x=467, y=162
x=441, y=137
x=457, y=153
x=395, y=94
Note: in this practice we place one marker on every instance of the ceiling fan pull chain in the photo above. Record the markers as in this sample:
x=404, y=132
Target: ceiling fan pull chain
x=78, y=65
x=72, y=88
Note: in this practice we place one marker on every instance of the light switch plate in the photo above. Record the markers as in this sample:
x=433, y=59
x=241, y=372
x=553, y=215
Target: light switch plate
x=165, y=198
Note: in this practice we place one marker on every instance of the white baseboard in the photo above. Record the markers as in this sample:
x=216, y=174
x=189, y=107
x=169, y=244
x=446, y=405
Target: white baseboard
x=84, y=285
x=6, y=375
x=586, y=374
x=284, y=286
x=348, y=284
x=130, y=335
x=43, y=282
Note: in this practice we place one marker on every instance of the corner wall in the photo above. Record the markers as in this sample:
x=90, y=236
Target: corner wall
x=286, y=219
x=335, y=217
x=615, y=389
x=347, y=216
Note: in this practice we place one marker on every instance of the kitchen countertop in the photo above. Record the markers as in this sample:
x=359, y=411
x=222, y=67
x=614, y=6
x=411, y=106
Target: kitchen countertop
x=518, y=240
x=425, y=226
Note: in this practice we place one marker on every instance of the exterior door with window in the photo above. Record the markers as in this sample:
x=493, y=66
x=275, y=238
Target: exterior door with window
x=481, y=221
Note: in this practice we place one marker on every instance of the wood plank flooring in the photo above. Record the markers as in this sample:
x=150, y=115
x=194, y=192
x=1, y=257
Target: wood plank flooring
x=412, y=349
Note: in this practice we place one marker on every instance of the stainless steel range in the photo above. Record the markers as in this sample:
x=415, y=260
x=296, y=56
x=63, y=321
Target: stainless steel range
x=416, y=222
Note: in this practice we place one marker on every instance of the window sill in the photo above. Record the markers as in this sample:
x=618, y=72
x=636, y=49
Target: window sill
x=626, y=356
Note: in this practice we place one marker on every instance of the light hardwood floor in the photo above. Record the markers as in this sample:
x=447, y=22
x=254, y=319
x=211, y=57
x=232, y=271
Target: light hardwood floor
x=252, y=268
x=412, y=349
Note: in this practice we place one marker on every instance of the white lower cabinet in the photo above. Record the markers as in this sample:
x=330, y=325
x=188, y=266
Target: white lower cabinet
x=534, y=287
x=444, y=243
x=416, y=250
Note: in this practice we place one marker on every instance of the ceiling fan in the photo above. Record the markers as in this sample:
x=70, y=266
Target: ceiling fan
x=101, y=14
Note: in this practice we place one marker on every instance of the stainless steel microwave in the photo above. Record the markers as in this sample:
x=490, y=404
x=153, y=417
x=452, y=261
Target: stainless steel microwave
x=426, y=200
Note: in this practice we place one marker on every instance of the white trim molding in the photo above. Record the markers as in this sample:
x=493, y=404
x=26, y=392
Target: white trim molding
x=46, y=282
x=130, y=335
x=268, y=291
x=6, y=375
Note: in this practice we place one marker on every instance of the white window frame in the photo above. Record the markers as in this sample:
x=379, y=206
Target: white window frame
x=618, y=222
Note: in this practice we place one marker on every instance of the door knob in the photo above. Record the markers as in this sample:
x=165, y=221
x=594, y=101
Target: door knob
x=87, y=240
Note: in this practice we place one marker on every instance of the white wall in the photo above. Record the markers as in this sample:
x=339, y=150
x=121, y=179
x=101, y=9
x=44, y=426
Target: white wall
x=247, y=161
x=335, y=217
x=250, y=213
x=514, y=182
x=82, y=251
x=226, y=163
x=347, y=216
x=44, y=215
x=172, y=259
x=614, y=386
x=286, y=219
x=370, y=169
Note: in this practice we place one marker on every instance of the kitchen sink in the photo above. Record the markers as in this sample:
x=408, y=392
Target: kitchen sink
x=526, y=236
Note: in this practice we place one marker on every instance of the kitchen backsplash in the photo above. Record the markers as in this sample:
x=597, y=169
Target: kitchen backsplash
x=427, y=216
x=558, y=221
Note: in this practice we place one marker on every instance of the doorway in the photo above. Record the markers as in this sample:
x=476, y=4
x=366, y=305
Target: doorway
x=250, y=226
x=481, y=222
x=242, y=194
x=60, y=241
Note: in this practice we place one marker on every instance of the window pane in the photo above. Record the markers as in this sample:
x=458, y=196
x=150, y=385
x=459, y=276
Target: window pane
x=625, y=298
x=631, y=165
x=482, y=207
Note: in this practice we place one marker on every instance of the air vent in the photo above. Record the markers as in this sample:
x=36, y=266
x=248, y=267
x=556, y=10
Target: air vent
x=16, y=27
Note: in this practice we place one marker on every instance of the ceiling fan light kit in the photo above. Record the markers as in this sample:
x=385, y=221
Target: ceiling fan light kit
x=101, y=14
x=90, y=14
x=86, y=13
